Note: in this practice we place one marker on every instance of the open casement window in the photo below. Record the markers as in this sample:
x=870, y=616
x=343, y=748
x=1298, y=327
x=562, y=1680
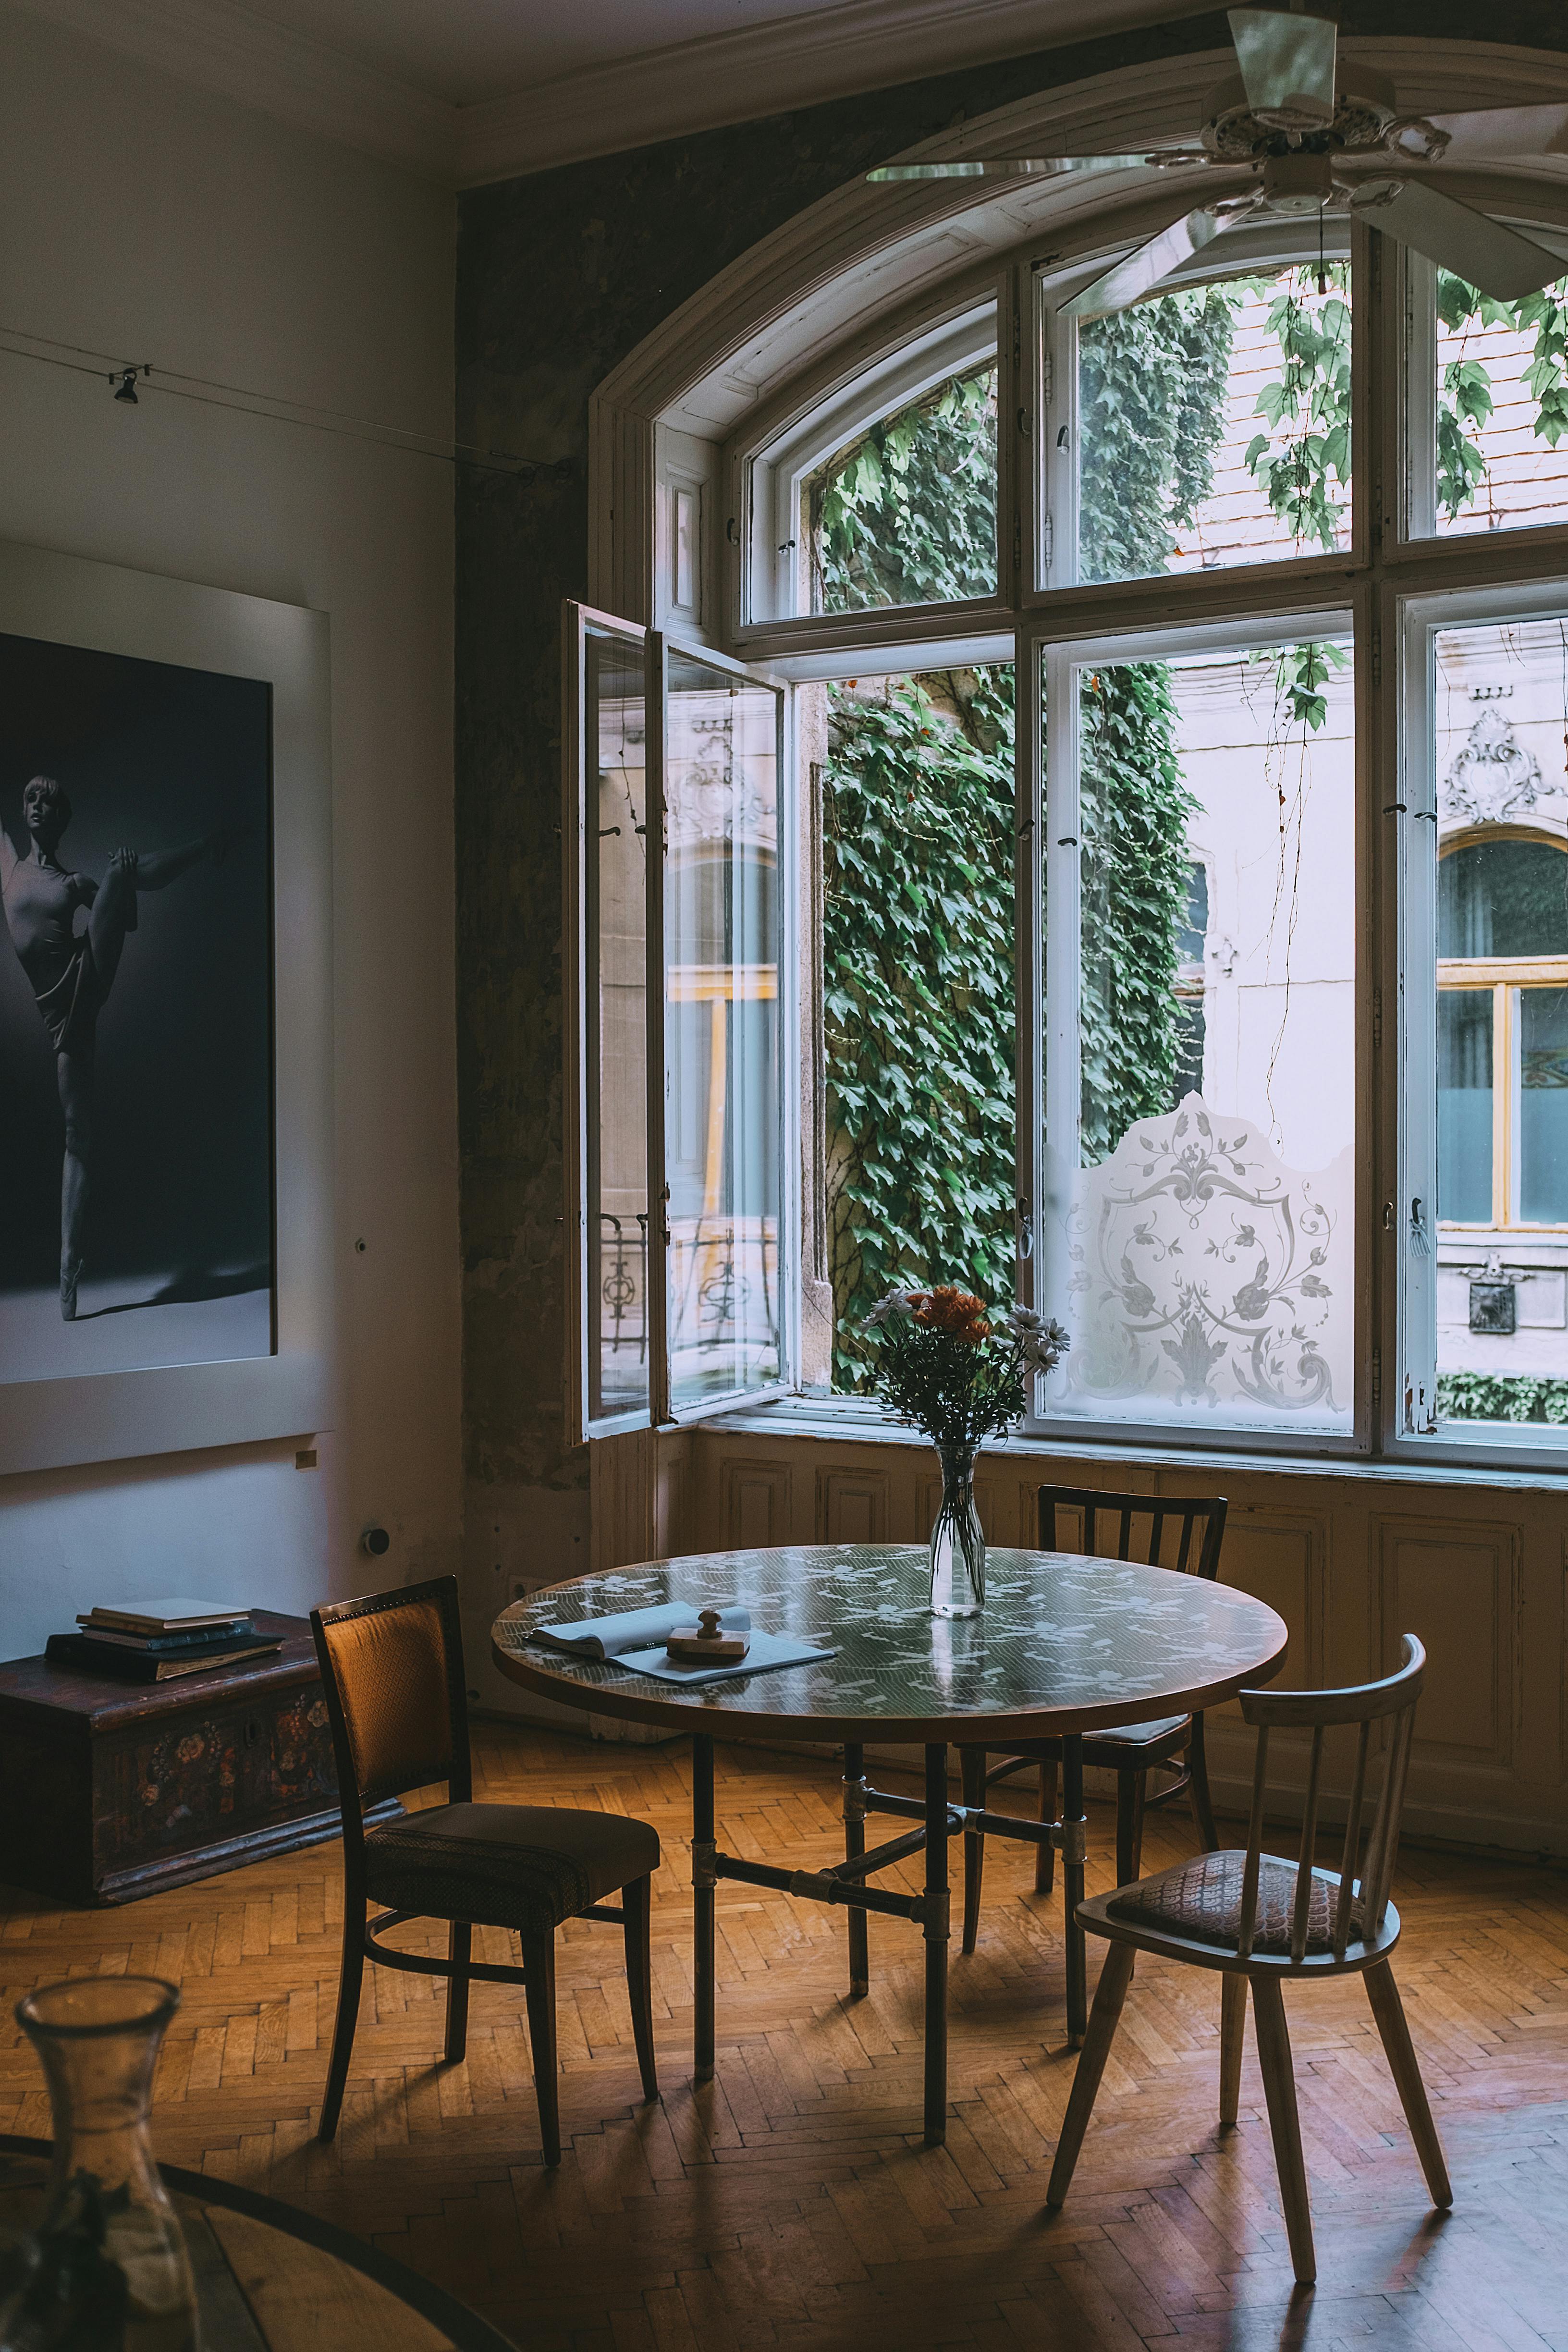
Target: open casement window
x=1483, y=1214
x=677, y=993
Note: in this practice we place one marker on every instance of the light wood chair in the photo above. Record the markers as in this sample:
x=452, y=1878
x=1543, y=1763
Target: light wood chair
x=392, y=1670
x=1161, y=1532
x=1260, y=1920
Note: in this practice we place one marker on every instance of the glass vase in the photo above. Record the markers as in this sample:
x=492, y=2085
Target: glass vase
x=107, y=2268
x=957, y=1540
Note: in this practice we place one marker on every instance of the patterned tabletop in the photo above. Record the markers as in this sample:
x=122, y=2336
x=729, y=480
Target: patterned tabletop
x=1063, y=1643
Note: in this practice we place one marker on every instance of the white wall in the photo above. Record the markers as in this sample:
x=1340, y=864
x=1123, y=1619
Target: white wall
x=138, y=217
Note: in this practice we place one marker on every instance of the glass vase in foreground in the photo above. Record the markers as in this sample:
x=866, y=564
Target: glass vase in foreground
x=106, y=2270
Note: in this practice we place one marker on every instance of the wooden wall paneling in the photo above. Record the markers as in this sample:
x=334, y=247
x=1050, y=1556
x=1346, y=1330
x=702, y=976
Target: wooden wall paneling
x=674, y=1529
x=1458, y=1586
x=755, y=1504
x=621, y=1479
x=853, y=1506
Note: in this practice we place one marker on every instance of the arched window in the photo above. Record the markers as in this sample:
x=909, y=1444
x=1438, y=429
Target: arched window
x=1130, y=649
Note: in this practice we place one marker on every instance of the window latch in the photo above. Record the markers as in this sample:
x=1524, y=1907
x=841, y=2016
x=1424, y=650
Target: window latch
x=1420, y=1245
x=1024, y=1224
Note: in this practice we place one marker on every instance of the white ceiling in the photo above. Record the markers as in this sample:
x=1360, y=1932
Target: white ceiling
x=471, y=90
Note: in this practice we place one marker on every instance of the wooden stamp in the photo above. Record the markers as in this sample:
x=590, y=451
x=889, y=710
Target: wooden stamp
x=704, y=1642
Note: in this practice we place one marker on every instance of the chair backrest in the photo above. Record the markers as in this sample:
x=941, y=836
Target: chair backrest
x=1362, y=1899
x=1147, y=1527
x=392, y=1672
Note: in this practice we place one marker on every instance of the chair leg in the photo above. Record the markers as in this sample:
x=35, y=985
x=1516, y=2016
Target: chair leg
x=1389, y=2010
x=972, y=1773
x=1114, y=1978
x=636, y=1903
x=350, y=1976
x=1131, y=1790
x=1045, y=1855
x=459, y=1951
x=1232, y=2038
x=1284, y=2122
x=539, y=1985
x=1198, y=1788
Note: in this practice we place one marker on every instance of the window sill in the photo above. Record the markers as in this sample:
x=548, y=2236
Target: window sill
x=858, y=1421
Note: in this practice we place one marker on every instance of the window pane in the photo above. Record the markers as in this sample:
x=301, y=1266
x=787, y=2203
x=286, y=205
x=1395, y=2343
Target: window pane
x=918, y=973
x=1498, y=723
x=722, y=1113
x=1464, y=1105
x=1503, y=898
x=1214, y=427
x=616, y=863
x=1502, y=409
x=1544, y=1105
x=906, y=512
x=1200, y=1183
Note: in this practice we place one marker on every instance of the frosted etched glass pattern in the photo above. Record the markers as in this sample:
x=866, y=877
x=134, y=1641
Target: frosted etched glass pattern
x=1200, y=1076
x=722, y=1100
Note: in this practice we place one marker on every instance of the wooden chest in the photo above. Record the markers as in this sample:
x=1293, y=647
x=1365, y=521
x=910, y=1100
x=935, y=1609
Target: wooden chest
x=113, y=1789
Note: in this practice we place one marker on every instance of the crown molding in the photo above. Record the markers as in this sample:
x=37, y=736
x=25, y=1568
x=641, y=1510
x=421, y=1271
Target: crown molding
x=767, y=69
x=664, y=93
x=228, y=49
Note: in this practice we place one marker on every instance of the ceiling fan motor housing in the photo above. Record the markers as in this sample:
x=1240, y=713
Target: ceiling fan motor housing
x=1297, y=184
x=1233, y=131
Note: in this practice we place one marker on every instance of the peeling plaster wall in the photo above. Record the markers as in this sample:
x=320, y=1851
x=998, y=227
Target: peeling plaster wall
x=559, y=277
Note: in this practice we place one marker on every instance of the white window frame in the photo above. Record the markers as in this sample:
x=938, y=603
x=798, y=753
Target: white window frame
x=580, y=979
x=1392, y=564
x=1413, y=816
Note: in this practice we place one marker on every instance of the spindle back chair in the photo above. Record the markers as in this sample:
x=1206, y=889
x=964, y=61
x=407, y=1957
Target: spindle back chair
x=1181, y=1533
x=1259, y=1919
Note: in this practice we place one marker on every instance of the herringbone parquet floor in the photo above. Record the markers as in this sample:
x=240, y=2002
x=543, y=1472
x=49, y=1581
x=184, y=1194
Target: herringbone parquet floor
x=791, y=2203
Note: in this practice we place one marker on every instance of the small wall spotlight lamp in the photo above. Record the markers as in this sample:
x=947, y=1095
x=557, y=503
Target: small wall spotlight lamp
x=124, y=384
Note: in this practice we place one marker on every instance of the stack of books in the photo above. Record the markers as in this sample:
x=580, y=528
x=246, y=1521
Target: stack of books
x=153, y=1641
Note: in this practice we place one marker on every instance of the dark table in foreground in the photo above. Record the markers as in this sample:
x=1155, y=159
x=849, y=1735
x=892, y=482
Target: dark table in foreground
x=270, y=2278
x=1064, y=1645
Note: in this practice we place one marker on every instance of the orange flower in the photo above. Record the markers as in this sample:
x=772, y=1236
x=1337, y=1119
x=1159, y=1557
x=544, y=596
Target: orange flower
x=948, y=1308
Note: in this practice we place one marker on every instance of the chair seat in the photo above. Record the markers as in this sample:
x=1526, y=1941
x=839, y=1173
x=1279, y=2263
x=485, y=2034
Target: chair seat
x=1133, y=1736
x=1200, y=1900
x=522, y=1866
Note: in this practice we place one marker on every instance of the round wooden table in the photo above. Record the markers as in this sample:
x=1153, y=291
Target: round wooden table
x=1064, y=1645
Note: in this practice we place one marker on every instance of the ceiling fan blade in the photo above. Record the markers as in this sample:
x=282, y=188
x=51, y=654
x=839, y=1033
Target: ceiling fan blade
x=1486, y=132
x=1122, y=283
x=1287, y=65
x=1480, y=250
x=1009, y=167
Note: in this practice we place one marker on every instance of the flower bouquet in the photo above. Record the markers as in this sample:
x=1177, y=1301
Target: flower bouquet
x=944, y=1365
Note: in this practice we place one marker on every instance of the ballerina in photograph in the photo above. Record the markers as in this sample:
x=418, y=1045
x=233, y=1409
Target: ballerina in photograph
x=71, y=968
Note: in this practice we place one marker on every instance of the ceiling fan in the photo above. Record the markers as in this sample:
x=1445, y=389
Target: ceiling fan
x=1294, y=114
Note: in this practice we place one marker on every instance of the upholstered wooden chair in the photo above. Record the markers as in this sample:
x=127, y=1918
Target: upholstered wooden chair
x=1259, y=1921
x=392, y=1669
x=1161, y=1532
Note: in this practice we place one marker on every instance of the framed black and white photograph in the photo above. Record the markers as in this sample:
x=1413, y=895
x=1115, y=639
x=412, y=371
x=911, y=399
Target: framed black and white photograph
x=136, y=1156
x=164, y=1058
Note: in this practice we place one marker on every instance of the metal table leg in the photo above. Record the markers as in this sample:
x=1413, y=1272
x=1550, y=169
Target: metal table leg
x=703, y=1881
x=1074, y=1837
x=936, y=1932
x=854, y=1847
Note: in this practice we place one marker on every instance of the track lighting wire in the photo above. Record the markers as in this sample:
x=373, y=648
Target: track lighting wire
x=249, y=402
